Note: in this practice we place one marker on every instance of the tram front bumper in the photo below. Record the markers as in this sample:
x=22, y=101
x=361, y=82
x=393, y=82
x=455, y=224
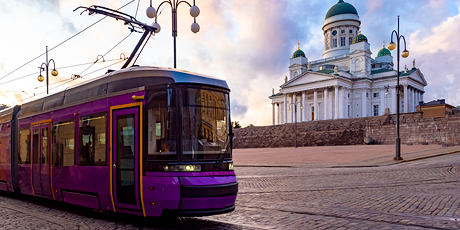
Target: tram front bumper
x=190, y=196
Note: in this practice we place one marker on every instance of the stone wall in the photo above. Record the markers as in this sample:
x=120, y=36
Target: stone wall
x=414, y=129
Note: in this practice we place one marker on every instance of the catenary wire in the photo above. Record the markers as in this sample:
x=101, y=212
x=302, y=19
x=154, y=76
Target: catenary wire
x=65, y=67
x=64, y=82
x=107, y=52
x=138, y=3
x=61, y=43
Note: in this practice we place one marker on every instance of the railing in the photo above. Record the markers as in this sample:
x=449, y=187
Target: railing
x=330, y=59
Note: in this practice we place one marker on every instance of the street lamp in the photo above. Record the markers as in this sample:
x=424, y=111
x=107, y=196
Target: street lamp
x=404, y=54
x=194, y=12
x=54, y=72
x=295, y=118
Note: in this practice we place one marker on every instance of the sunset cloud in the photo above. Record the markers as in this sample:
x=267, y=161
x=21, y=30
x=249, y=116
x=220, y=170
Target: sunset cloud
x=247, y=43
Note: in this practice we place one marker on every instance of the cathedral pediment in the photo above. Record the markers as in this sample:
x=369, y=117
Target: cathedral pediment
x=307, y=78
x=418, y=76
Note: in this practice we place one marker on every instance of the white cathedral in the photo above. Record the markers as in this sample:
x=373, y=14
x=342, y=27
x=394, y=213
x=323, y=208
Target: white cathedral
x=347, y=82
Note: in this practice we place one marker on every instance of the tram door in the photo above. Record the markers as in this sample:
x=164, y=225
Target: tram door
x=125, y=165
x=41, y=159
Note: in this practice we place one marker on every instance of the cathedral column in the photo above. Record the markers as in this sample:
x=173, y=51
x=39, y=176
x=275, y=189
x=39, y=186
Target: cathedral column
x=273, y=112
x=336, y=102
x=279, y=114
x=326, y=115
x=330, y=102
x=293, y=109
x=341, y=102
x=304, y=114
x=393, y=100
x=345, y=103
x=406, y=99
x=364, y=102
x=414, y=91
x=382, y=101
x=285, y=109
x=316, y=111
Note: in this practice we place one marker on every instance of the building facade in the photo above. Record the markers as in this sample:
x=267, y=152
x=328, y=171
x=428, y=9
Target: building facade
x=347, y=82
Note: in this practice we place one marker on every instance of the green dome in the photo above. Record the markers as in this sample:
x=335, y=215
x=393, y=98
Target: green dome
x=341, y=8
x=359, y=38
x=384, y=51
x=298, y=52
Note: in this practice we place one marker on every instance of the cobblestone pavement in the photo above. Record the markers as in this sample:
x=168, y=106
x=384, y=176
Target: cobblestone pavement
x=422, y=194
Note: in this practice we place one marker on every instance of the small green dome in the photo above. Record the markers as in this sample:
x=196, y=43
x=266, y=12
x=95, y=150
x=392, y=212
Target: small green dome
x=384, y=51
x=298, y=53
x=359, y=38
x=341, y=8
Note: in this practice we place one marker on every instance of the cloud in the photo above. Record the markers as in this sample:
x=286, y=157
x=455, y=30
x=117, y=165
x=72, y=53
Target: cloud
x=437, y=50
x=247, y=43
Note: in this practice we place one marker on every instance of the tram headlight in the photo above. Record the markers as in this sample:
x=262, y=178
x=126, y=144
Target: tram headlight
x=230, y=166
x=182, y=168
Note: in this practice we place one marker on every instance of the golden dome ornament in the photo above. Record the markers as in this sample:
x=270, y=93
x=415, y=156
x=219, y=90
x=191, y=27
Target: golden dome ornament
x=405, y=54
x=391, y=45
x=54, y=72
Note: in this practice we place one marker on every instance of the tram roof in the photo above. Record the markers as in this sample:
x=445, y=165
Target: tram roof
x=115, y=82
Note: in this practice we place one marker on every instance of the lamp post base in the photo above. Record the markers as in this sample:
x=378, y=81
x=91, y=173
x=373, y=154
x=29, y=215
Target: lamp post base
x=398, y=150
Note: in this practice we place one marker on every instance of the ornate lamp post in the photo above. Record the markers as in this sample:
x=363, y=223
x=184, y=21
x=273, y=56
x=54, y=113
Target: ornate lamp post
x=404, y=54
x=194, y=12
x=295, y=118
x=54, y=72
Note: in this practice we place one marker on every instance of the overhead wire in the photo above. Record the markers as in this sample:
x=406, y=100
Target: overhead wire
x=64, y=82
x=138, y=3
x=65, y=67
x=107, y=52
x=61, y=43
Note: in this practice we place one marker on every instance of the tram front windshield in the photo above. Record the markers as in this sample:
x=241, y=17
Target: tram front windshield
x=201, y=121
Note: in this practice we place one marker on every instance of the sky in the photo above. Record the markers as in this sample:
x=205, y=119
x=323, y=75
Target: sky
x=248, y=43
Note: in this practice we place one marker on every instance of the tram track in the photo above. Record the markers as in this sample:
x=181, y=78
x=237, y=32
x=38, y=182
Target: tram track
x=401, y=184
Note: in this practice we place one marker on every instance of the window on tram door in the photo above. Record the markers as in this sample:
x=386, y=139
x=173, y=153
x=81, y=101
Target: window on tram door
x=204, y=136
x=342, y=41
x=24, y=146
x=64, y=143
x=376, y=110
x=161, y=133
x=2, y=150
x=35, y=139
x=334, y=42
x=92, y=140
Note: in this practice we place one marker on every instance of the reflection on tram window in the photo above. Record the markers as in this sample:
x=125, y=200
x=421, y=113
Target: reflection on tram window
x=205, y=116
x=24, y=146
x=91, y=141
x=3, y=151
x=64, y=143
x=35, y=143
x=161, y=126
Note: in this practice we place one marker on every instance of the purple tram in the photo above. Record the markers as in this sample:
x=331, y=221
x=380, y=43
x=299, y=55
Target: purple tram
x=146, y=141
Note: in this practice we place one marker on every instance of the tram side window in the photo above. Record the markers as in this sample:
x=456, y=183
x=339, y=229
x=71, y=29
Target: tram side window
x=92, y=140
x=24, y=146
x=64, y=143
